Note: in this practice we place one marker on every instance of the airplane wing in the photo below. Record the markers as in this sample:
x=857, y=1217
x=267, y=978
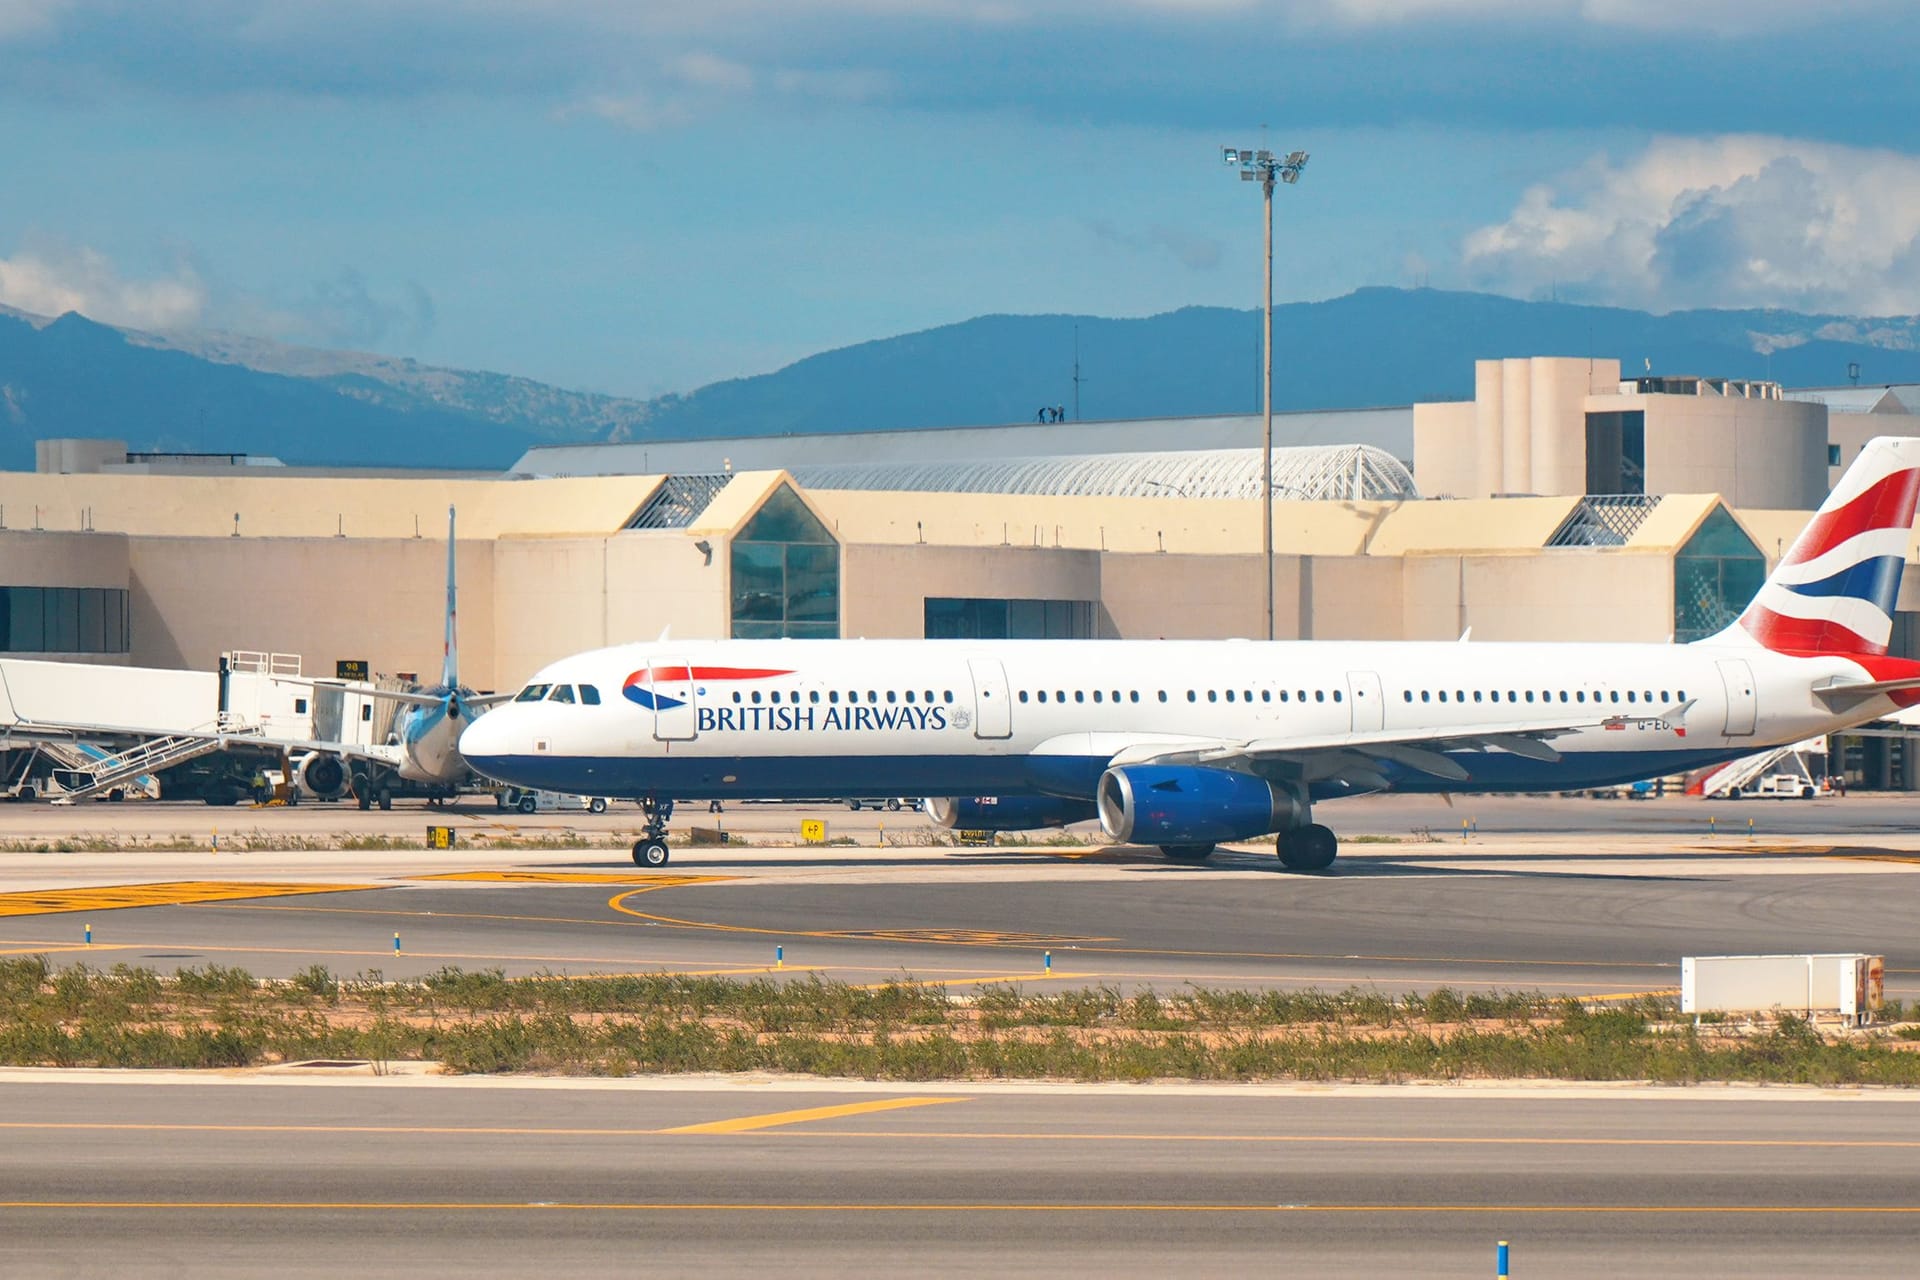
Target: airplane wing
x=413, y=699
x=398, y=695
x=1357, y=757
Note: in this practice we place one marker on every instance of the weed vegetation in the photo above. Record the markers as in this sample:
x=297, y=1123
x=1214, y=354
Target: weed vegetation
x=486, y=1022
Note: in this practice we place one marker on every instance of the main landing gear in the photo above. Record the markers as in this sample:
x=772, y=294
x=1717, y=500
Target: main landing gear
x=1186, y=852
x=1309, y=848
x=650, y=850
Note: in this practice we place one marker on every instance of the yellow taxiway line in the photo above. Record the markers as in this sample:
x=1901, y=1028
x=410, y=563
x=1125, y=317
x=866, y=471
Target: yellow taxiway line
x=787, y=1118
x=747, y=1124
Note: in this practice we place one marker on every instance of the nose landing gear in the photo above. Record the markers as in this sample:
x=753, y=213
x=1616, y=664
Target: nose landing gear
x=650, y=850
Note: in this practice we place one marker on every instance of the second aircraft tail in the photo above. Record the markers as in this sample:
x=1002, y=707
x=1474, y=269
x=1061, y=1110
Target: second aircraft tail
x=1834, y=590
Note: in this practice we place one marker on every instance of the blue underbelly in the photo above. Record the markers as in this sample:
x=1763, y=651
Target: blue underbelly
x=840, y=777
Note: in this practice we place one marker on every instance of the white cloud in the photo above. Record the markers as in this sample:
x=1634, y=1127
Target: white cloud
x=28, y=17
x=52, y=280
x=1723, y=17
x=1738, y=220
x=699, y=83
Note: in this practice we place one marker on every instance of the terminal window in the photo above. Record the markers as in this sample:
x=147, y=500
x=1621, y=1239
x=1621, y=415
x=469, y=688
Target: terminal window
x=987, y=619
x=65, y=620
x=1714, y=576
x=786, y=574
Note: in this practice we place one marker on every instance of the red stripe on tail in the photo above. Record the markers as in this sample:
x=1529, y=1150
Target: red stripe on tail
x=1885, y=504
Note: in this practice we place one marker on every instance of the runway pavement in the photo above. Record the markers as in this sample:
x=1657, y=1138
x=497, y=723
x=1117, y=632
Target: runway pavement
x=1591, y=907
x=109, y=1176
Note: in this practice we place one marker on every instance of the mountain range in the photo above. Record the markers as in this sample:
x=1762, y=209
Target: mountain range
x=223, y=393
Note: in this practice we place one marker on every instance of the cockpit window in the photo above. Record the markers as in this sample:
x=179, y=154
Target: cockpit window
x=561, y=693
x=589, y=695
x=533, y=693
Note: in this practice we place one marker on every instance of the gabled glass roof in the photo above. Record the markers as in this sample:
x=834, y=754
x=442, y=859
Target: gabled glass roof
x=1317, y=473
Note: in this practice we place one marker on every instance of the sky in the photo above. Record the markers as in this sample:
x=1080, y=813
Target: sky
x=637, y=197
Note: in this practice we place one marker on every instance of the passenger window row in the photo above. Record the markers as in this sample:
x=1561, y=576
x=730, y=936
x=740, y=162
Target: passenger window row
x=1193, y=695
x=1634, y=696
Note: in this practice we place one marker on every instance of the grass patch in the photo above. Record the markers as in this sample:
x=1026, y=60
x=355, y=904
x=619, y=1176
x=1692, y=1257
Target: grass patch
x=484, y=1021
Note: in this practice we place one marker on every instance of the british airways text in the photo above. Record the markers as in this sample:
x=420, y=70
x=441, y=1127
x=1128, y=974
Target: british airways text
x=820, y=719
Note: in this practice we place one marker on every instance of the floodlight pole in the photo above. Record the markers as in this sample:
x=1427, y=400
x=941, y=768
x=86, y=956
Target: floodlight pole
x=1266, y=406
x=1268, y=169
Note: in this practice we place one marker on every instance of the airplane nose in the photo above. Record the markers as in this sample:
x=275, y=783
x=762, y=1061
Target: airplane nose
x=486, y=740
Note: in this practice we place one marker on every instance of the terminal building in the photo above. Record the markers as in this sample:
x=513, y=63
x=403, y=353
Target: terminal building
x=1562, y=502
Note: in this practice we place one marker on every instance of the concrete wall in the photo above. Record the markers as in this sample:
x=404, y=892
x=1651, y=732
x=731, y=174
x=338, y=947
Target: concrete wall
x=1445, y=450
x=1753, y=453
x=62, y=559
x=1190, y=597
x=563, y=595
x=323, y=598
x=884, y=589
x=1350, y=598
x=1565, y=594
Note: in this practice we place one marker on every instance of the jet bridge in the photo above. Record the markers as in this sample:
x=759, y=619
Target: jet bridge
x=104, y=727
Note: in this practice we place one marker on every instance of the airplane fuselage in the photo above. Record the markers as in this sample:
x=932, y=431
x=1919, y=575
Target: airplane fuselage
x=838, y=718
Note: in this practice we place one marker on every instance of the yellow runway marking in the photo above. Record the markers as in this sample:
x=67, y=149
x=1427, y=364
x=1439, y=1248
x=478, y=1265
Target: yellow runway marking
x=1628, y=995
x=169, y=894
x=65, y=946
x=745, y=1124
x=618, y=903
x=576, y=877
x=661, y=1206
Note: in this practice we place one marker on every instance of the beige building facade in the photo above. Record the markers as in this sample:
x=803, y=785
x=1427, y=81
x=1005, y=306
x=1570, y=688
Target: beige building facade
x=1563, y=502
x=1553, y=425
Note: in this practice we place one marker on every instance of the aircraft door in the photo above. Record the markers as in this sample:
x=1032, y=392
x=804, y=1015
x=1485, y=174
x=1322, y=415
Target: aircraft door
x=1363, y=696
x=329, y=712
x=992, y=705
x=675, y=711
x=1742, y=704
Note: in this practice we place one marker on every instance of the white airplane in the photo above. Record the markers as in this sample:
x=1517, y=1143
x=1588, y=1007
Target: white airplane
x=424, y=746
x=1188, y=744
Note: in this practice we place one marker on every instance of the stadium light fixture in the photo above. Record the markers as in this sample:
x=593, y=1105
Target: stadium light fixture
x=1264, y=167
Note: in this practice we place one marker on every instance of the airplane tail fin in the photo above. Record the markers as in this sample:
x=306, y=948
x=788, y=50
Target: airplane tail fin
x=1834, y=590
x=450, y=669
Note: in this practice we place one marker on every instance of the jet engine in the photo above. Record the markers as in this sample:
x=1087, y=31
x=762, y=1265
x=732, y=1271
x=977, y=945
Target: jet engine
x=322, y=775
x=1191, y=805
x=1004, y=813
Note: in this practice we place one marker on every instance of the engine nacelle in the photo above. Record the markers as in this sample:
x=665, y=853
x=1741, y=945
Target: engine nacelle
x=1004, y=813
x=1190, y=804
x=323, y=775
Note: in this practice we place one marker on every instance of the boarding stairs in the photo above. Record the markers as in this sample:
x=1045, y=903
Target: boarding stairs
x=1735, y=775
x=147, y=758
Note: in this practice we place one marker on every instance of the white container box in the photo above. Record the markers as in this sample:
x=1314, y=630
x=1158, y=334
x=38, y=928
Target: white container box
x=1850, y=985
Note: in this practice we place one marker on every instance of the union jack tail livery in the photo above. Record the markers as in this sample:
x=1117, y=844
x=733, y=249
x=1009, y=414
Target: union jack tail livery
x=1834, y=591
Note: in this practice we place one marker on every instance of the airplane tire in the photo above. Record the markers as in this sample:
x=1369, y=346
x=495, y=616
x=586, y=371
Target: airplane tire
x=1308, y=848
x=1187, y=852
x=386, y=798
x=651, y=853
x=364, y=800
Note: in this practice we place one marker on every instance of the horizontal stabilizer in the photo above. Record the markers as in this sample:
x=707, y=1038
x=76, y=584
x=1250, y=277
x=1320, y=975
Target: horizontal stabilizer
x=1846, y=695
